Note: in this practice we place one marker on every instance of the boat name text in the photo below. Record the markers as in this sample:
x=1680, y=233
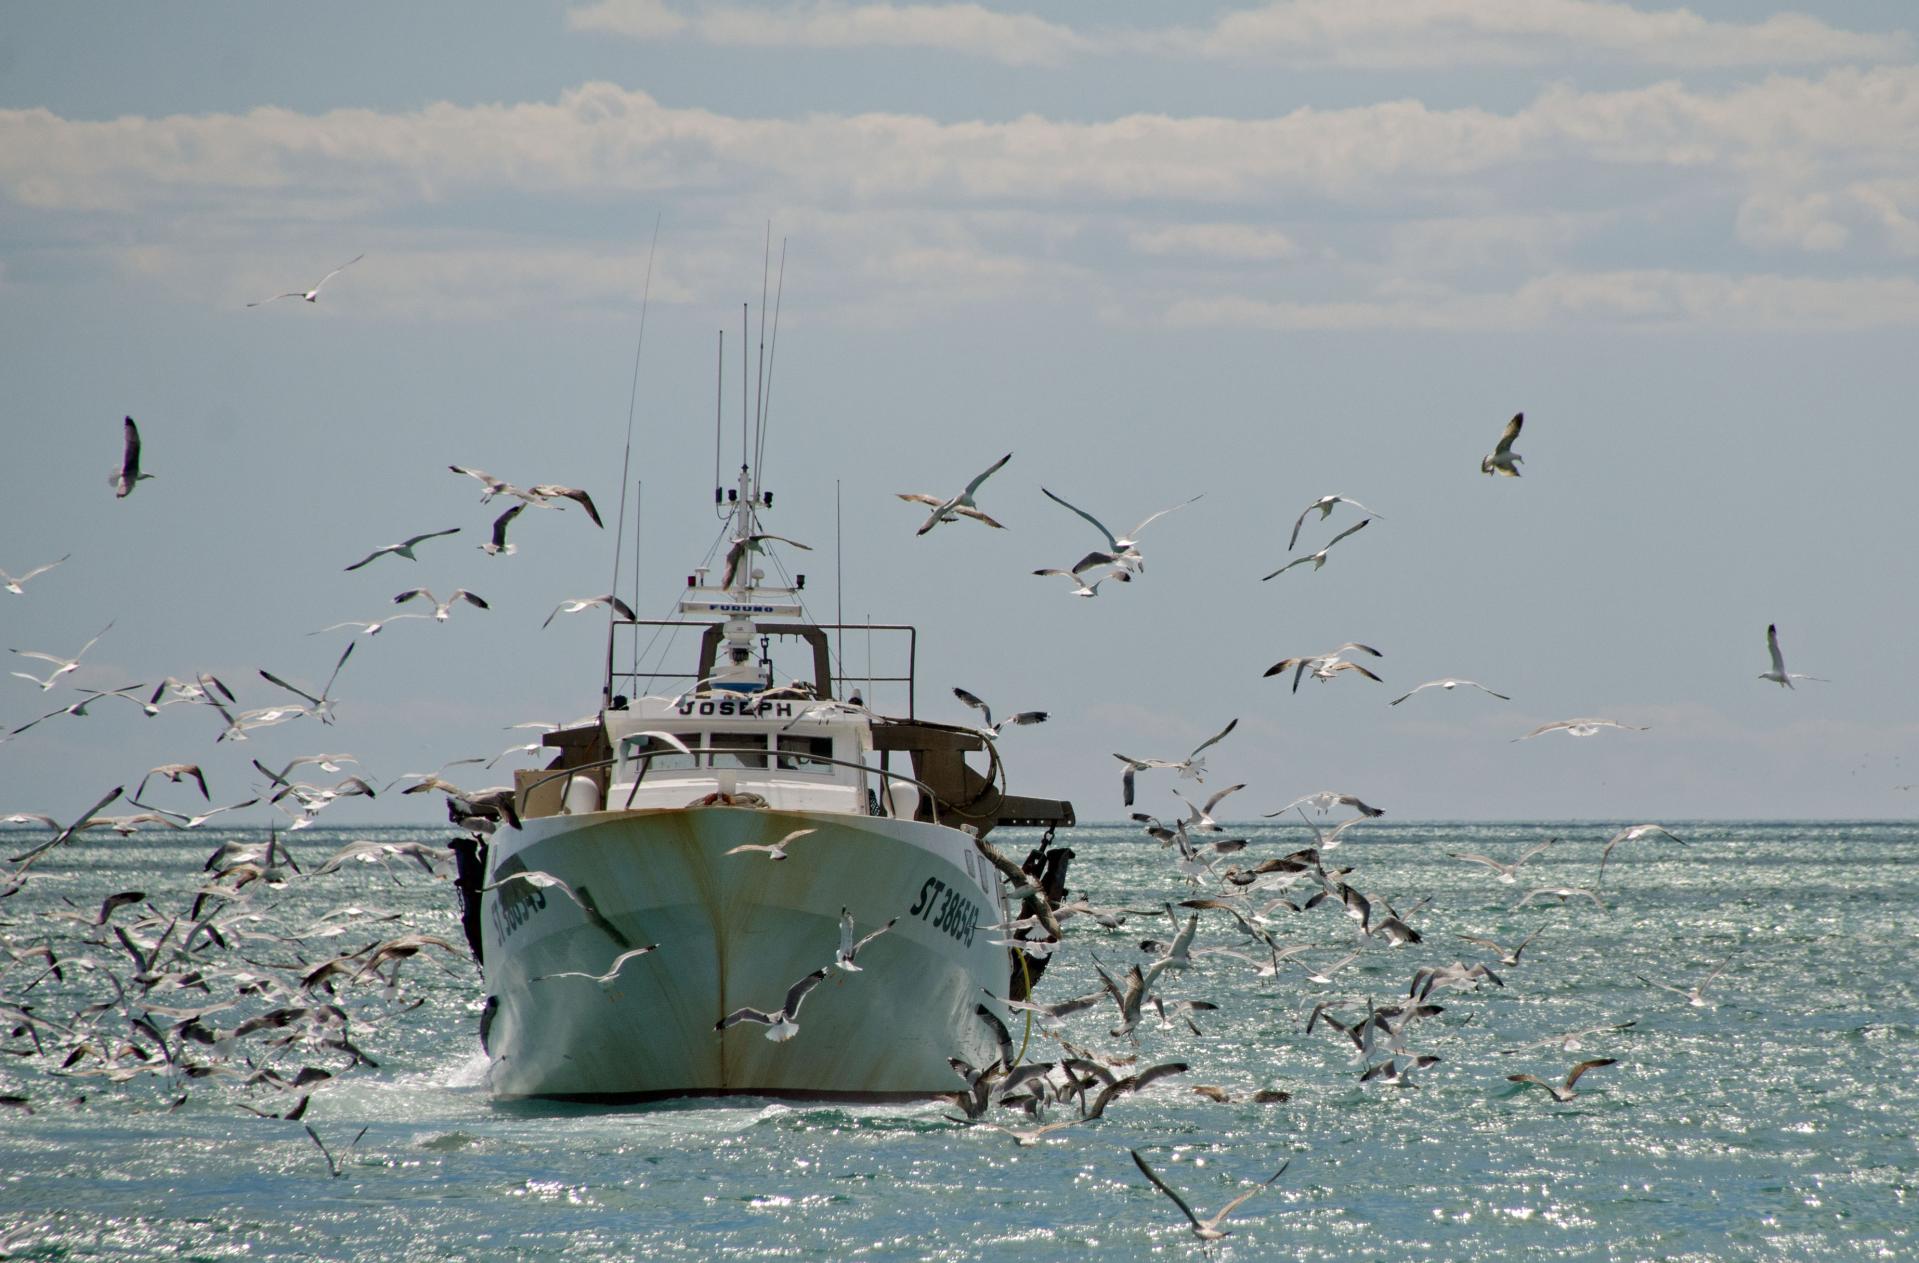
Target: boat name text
x=726, y=706
x=947, y=909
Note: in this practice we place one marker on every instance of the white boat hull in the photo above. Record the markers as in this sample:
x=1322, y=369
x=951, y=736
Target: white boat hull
x=736, y=931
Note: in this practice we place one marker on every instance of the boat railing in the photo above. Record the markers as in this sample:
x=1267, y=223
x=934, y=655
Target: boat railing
x=832, y=675
x=926, y=791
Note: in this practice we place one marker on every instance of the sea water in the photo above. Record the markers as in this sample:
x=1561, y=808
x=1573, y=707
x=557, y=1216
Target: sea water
x=1775, y=1121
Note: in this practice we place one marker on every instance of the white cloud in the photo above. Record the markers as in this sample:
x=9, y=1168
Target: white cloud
x=971, y=29
x=1651, y=297
x=1390, y=34
x=637, y=19
x=1215, y=241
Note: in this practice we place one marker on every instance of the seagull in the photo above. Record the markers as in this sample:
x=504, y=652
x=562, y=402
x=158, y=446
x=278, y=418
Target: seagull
x=1696, y=995
x=1503, y=460
x=367, y=628
x=782, y=1024
x=1081, y=587
x=1325, y=506
x=581, y=898
x=175, y=772
x=1207, y=1230
x=1564, y=1093
x=323, y=704
x=64, y=665
x=553, y=490
x=1325, y=800
x=61, y=835
x=573, y=605
x=1449, y=684
x=775, y=850
x=1508, y=956
x=440, y=608
x=1632, y=834
x=613, y=971
x=311, y=295
x=128, y=476
x=745, y=544
x=404, y=548
x=1023, y=717
x=848, y=948
x=1508, y=873
x=1580, y=728
x=1778, y=675
x=1325, y=665
x=12, y=582
x=1122, y=552
x=1319, y=558
x=1192, y=767
x=494, y=486
x=1201, y=817
x=497, y=546
x=961, y=504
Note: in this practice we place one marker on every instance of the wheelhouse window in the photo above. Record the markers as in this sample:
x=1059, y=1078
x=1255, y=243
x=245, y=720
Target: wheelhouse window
x=737, y=749
x=803, y=754
x=651, y=755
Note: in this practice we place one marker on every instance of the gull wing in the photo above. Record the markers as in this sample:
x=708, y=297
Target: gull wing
x=990, y=470
x=1348, y=531
x=1572, y=1076
x=1165, y=1188
x=500, y=524
x=1772, y=647
x=1510, y=433
x=1233, y=1205
x=335, y=272
x=797, y=993
x=1111, y=541
x=1218, y=736
x=1162, y=513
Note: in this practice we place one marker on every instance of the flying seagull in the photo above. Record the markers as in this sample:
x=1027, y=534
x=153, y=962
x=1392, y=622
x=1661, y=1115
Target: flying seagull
x=497, y=546
x=323, y=704
x=440, y=608
x=1080, y=586
x=573, y=605
x=1563, y=1093
x=1325, y=666
x=1778, y=674
x=1319, y=558
x=746, y=544
x=1192, y=767
x=12, y=582
x=1449, y=685
x=850, y=948
x=1325, y=506
x=553, y=490
x=1207, y=1230
x=962, y=504
x=1632, y=834
x=1696, y=995
x=773, y=850
x=1023, y=717
x=783, y=1024
x=404, y=548
x=1579, y=728
x=311, y=295
x=128, y=475
x=64, y=664
x=612, y=973
x=1121, y=551
x=1503, y=460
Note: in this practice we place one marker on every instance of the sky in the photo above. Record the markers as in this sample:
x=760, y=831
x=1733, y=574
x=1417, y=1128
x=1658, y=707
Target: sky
x=1256, y=253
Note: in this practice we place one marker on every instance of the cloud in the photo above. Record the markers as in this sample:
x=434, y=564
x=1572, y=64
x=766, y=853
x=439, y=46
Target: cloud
x=1574, y=206
x=1401, y=34
x=1215, y=241
x=1650, y=297
x=1317, y=34
x=969, y=29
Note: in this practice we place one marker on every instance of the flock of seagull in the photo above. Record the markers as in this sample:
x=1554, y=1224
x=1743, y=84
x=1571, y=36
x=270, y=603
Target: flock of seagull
x=178, y=975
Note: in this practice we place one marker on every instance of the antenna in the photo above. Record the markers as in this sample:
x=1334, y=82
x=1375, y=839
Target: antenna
x=759, y=404
x=639, y=510
x=719, y=403
x=759, y=455
x=626, y=460
x=839, y=578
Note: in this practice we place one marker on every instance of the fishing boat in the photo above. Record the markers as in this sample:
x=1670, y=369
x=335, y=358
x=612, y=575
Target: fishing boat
x=643, y=831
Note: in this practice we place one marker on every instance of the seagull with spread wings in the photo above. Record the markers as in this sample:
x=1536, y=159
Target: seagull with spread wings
x=12, y=582
x=961, y=505
x=64, y=665
x=1579, y=728
x=1324, y=666
x=1192, y=767
x=404, y=548
x=783, y=1023
x=1121, y=551
x=1563, y=1092
x=441, y=608
x=1449, y=684
x=1023, y=717
x=310, y=295
x=1319, y=558
x=1503, y=460
x=573, y=605
x=1325, y=506
x=1208, y=1229
x=1779, y=675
